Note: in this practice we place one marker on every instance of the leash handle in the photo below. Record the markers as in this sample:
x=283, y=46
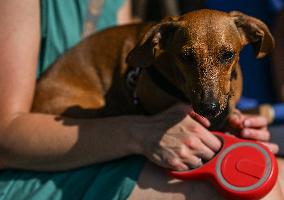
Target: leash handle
x=242, y=169
x=207, y=170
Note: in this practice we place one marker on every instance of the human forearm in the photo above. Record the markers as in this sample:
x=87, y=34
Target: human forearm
x=171, y=139
x=46, y=142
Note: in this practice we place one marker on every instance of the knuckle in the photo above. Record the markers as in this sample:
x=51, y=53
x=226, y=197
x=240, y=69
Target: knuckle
x=196, y=163
x=217, y=145
x=207, y=155
x=193, y=142
x=210, y=155
x=195, y=127
x=183, y=151
x=173, y=162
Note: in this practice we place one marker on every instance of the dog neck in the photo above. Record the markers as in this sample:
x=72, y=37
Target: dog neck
x=152, y=91
x=166, y=85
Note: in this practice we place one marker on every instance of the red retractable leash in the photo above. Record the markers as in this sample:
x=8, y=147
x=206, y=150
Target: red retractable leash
x=242, y=169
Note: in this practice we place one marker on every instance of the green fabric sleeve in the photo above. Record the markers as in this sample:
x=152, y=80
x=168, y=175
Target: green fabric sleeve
x=108, y=15
x=61, y=26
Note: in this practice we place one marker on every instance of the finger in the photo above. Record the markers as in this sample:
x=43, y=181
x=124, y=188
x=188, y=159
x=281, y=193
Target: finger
x=169, y=159
x=202, y=120
x=274, y=148
x=177, y=164
x=256, y=134
x=209, y=139
x=187, y=156
x=205, y=153
x=236, y=120
x=193, y=161
x=255, y=122
x=199, y=148
x=204, y=135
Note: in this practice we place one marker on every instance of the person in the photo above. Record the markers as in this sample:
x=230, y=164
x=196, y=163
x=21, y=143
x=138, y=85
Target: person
x=43, y=158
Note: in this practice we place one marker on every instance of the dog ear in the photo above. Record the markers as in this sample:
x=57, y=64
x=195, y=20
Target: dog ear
x=255, y=32
x=144, y=52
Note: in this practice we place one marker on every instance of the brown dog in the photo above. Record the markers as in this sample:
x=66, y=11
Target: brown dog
x=145, y=68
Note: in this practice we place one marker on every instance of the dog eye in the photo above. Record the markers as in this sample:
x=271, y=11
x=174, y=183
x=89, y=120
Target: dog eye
x=227, y=56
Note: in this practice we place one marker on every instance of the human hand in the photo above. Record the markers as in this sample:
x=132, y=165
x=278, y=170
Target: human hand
x=178, y=139
x=251, y=127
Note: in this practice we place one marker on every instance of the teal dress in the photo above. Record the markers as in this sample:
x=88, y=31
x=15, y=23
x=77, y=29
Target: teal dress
x=62, y=23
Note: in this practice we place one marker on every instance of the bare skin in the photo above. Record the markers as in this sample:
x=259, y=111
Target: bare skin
x=63, y=143
x=281, y=173
x=57, y=146
x=153, y=184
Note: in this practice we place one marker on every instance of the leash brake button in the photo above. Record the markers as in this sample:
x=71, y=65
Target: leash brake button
x=250, y=168
x=243, y=166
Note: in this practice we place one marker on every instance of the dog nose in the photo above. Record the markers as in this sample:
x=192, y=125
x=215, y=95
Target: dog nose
x=209, y=109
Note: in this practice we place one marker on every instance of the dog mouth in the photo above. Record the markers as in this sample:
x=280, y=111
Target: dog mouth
x=219, y=121
x=216, y=115
x=208, y=110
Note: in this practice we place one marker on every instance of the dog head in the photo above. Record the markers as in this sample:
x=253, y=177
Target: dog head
x=199, y=52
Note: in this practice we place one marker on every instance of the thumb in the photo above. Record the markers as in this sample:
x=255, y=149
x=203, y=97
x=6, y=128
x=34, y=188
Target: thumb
x=199, y=118
x=236, y=119
x=181, y=110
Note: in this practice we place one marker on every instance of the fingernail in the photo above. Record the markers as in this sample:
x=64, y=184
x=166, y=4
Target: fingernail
x=271, y=149
x=199, y=163
x=247, y=123
x=208, y=123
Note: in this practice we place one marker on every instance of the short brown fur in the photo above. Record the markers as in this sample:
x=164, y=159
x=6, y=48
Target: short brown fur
x=197, y=52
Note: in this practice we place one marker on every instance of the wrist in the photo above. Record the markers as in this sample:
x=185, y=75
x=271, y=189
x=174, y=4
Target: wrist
x=138, y=127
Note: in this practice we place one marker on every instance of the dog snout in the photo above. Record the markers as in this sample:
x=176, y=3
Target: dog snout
x=208, y=109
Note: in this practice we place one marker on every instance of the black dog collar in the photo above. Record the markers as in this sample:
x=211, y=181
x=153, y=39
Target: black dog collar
x=162, y=82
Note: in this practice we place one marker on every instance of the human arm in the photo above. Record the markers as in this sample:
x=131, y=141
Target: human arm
x=38, y=141
x=47, y=142
x=124, y=15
